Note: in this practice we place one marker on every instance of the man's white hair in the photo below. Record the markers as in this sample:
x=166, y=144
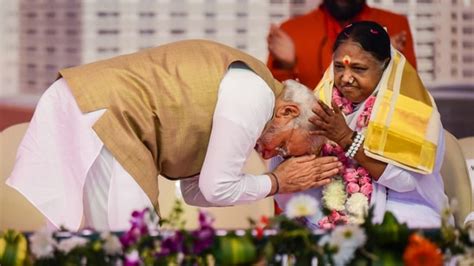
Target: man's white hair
x=304, y=97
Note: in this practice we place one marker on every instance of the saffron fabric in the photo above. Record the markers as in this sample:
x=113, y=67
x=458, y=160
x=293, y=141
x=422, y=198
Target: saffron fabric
x=314, y=34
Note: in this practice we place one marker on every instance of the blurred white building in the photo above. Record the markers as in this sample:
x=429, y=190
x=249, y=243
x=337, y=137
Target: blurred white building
x=39, y=37
x=113, y=27
x=443, y=32
x=8, y=47
x=49, y=39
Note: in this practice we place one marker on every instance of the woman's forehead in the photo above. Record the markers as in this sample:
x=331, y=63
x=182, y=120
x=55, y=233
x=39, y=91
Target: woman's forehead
x=353, y=50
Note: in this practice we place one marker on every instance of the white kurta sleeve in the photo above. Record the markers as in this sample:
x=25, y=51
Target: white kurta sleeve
x=244, y=105
x=192, y=193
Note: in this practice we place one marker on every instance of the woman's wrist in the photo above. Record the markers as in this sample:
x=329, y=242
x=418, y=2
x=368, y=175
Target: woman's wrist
x=346, y=142
x=354, y=147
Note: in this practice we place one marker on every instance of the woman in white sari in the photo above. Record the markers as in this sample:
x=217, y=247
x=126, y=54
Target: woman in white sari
x=384, y=126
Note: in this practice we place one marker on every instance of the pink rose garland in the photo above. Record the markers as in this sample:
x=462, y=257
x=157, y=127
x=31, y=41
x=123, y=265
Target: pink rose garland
x=356, y=178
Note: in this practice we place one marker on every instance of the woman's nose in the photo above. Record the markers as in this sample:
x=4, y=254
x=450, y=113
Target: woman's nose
x=346, y=76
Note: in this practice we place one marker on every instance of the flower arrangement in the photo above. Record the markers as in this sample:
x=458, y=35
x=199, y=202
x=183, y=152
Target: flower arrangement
x=280, y=240
x=346, y=199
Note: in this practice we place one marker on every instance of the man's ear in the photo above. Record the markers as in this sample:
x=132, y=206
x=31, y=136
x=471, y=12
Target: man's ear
x=287, y=110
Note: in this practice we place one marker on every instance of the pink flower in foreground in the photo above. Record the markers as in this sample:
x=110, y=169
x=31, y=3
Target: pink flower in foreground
x=350, y=175
x=347, y=108
x=364, y=180
x=330, y=222
x=325, y=223
x=363, y=120
x=369, y=103
x=356, y=179
x=338, y=101
x=328, y=149
x=362, y=171
x=334, y=216
x=352, y=188
x=366, y=189
x=338, y=149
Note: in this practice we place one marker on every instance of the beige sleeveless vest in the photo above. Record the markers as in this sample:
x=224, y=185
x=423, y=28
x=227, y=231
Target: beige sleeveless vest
x=160, y=103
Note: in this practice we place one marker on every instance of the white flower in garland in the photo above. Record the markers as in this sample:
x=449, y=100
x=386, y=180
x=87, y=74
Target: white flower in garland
x=357, y=205
x=301, y=206
x=112, y=245
x=334, y=195
x=353, y=219
x=42, y=243
x=344, y=240
x=69, y=244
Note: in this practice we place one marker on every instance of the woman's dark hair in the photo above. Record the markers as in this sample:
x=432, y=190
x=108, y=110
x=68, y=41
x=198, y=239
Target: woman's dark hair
x=370, y=35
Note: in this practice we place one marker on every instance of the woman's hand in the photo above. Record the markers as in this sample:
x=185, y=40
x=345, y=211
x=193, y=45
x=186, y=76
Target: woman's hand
x=331, y=124
x=305, y=172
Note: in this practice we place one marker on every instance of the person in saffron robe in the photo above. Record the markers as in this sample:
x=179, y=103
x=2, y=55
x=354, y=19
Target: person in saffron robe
x=300, y=48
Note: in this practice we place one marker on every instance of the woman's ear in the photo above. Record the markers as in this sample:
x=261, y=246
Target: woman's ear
x=287, y=110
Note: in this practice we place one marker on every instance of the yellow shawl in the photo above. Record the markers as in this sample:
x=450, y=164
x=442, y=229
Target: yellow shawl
x=404, y=124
